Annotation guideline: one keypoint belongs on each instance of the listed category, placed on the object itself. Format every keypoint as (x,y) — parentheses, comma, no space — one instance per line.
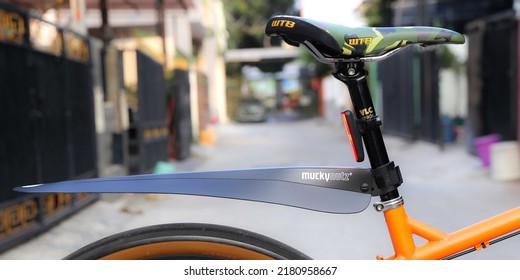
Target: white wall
(336,99)
(453,88)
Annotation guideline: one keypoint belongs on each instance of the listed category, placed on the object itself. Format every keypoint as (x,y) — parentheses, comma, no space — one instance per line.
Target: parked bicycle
(326,189)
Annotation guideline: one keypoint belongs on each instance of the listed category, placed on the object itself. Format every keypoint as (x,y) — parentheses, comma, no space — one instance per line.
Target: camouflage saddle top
(333,42)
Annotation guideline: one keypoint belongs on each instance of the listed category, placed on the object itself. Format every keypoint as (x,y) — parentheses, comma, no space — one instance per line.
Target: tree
(378,12)
(245,21)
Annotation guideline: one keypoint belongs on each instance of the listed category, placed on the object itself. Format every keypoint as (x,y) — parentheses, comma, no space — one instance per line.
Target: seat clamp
(387,177)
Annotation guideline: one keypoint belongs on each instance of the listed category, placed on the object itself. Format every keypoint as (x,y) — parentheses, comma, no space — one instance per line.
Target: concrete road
(446,189)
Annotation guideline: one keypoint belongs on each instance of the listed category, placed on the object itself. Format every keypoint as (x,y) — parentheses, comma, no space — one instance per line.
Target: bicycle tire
(187,241)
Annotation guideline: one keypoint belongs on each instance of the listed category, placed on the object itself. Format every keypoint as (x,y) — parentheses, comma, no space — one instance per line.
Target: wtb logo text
(360,41)
(283,23)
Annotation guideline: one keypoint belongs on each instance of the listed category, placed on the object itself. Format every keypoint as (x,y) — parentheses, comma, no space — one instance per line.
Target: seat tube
(400,232)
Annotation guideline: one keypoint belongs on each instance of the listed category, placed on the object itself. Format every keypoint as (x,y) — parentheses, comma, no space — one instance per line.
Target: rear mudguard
(325,189)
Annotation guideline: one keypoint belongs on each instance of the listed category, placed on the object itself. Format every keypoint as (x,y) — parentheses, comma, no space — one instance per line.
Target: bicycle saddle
(331,43)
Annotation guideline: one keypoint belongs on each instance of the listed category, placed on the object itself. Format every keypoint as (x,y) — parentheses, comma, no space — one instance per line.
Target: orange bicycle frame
(388,178)
(439,244)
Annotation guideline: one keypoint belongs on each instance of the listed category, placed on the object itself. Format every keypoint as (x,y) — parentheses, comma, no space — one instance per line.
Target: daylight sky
(336,11)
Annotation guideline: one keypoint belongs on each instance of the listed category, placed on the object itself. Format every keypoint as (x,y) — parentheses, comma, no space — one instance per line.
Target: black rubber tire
(187,241)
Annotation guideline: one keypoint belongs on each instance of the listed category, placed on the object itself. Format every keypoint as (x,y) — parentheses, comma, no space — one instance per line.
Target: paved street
(447,189)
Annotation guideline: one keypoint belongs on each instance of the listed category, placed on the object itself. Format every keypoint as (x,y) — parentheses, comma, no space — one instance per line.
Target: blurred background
(97,88)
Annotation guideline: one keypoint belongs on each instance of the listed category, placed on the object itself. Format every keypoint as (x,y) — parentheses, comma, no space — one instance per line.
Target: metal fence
(148,133)
(492,76)
(180,123)
(410,95)
(47,130)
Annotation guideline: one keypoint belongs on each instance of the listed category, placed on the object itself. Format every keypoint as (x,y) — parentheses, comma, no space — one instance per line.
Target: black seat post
(354,76)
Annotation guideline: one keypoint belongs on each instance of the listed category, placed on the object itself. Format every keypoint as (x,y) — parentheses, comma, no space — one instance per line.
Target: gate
(148,133)
(47,130)
(492,76)
(398,93)
(410,94)
(180,114)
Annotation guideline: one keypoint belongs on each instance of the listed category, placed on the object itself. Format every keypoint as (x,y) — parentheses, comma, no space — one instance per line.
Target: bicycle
(340,190)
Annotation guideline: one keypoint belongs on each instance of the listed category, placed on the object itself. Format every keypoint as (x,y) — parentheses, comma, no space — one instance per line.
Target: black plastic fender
(326,189)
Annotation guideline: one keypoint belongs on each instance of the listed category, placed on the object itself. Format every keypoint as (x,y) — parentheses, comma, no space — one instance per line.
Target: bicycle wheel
(187,241)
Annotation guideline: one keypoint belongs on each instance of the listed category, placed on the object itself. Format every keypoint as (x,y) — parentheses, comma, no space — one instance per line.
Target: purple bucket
(483,146)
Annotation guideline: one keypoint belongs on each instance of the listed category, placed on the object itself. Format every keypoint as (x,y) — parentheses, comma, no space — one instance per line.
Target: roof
(112,4)
(258,54)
